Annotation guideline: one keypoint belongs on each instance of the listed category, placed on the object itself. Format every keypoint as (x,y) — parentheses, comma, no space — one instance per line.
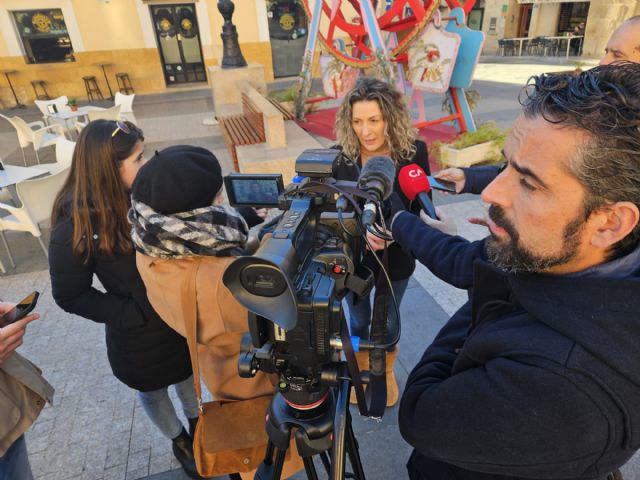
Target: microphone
(415,185)
(376,178)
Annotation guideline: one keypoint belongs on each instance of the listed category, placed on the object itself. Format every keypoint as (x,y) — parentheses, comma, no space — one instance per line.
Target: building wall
(544,20)
(108,26)
(4,51)
(121,34)
(503,13)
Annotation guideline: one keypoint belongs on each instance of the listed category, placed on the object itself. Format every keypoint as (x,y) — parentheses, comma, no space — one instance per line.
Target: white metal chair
(126,106)
(64,156)
(61,106)
(112,113)
(64,152)
(36,197)
(35,133)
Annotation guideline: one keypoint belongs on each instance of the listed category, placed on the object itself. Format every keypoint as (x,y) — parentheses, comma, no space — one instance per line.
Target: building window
(474,19)
(571,15)
(44,35)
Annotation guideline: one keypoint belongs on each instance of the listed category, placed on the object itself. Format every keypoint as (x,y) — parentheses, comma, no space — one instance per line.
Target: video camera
(294,284)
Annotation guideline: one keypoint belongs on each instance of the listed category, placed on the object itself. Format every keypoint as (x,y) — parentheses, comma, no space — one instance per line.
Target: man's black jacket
(538,377)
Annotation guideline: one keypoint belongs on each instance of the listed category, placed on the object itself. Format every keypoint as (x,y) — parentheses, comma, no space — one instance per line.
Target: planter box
(451,157)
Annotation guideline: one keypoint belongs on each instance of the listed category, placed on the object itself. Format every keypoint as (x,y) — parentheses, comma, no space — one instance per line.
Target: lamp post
(231,54)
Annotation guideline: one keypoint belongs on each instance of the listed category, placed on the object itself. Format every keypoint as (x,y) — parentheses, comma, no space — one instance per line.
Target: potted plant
(482,146)
(72,104)
(287,98)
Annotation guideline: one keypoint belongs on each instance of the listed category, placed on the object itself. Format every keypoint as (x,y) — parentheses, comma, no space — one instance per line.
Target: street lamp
(231,54)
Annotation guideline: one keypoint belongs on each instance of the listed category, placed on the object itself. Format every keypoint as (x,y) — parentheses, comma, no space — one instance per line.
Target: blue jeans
(14,463)
(161,411)
(360,314)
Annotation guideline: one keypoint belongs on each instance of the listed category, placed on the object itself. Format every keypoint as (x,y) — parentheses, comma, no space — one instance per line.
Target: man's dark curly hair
(604,103)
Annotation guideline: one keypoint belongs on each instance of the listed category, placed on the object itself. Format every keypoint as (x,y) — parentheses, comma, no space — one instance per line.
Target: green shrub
(290,94)
(486,132)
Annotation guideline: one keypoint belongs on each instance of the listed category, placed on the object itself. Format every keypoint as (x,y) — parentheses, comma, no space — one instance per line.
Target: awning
(551,1)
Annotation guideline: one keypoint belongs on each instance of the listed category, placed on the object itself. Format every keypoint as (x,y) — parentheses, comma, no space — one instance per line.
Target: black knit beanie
(178,179)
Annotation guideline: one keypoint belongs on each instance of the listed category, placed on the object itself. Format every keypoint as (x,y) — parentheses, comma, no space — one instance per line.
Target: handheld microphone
(377,178)
(415,185)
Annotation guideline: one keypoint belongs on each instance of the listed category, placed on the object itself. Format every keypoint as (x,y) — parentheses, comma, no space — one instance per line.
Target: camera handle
(325,428)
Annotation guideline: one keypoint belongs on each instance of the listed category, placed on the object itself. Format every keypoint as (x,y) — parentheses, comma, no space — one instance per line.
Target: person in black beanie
(185,238)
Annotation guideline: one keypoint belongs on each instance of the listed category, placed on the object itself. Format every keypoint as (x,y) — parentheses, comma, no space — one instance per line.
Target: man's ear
(613,223)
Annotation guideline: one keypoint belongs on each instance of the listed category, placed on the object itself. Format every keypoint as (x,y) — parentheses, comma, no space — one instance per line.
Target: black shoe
(192,426)
(183,450)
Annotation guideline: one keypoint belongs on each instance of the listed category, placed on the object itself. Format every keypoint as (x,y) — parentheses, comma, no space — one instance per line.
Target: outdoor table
(104,72)
(6,74)
(13,174)
(72,115)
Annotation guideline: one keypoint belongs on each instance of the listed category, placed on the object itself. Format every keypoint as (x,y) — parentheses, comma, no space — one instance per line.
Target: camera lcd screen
(253,190)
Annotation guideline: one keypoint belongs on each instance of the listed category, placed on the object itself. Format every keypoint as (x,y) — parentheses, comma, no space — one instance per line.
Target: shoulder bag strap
(190,315)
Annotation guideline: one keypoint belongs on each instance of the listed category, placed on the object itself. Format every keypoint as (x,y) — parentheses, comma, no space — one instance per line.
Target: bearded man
(538,375)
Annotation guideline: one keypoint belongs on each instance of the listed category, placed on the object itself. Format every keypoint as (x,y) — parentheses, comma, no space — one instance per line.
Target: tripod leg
(310,468)
(325,461)
(352,450)
(271,469)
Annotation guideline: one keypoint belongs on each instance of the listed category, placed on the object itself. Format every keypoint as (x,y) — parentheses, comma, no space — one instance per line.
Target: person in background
(186,237)
(91,236)
(23,393)
(576,45)
(624,43)
(373,120)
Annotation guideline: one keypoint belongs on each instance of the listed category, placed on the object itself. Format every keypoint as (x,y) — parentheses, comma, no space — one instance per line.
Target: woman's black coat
(401,265)
(143,351)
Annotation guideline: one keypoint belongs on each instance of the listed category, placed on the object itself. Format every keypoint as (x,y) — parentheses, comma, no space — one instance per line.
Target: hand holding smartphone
(21,310)
(442,185)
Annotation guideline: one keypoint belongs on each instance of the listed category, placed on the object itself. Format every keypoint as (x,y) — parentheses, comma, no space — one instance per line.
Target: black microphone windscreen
(382,170)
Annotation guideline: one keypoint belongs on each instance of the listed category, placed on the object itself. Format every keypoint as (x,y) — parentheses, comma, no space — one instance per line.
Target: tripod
(322,429)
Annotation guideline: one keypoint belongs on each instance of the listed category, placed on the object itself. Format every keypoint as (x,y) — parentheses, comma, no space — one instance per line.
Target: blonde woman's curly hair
(398,130)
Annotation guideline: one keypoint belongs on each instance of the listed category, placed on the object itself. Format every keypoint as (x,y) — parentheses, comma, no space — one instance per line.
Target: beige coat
(23,393)
(221,319)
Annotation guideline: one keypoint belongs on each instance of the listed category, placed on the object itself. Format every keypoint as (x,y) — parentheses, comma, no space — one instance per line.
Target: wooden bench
(286,114)
(245,129)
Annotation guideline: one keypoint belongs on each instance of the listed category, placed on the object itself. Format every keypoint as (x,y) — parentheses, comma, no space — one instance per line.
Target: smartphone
(443,185)
(21,310)
(51,108)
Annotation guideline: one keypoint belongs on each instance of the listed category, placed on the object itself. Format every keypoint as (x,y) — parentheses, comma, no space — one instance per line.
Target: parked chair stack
(549,46)
(507,47)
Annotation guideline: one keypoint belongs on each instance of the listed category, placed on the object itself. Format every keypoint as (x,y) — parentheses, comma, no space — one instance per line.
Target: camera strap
(372,401)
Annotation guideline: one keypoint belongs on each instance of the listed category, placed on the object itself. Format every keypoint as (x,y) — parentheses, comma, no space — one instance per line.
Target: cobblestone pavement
(96,429)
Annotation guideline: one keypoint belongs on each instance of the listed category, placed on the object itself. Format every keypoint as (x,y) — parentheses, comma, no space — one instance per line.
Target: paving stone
(116,472)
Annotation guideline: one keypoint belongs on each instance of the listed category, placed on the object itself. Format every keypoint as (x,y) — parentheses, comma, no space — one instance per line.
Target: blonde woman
(373,120)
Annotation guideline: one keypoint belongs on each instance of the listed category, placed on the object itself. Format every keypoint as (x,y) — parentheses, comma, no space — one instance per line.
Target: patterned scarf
(217,230)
